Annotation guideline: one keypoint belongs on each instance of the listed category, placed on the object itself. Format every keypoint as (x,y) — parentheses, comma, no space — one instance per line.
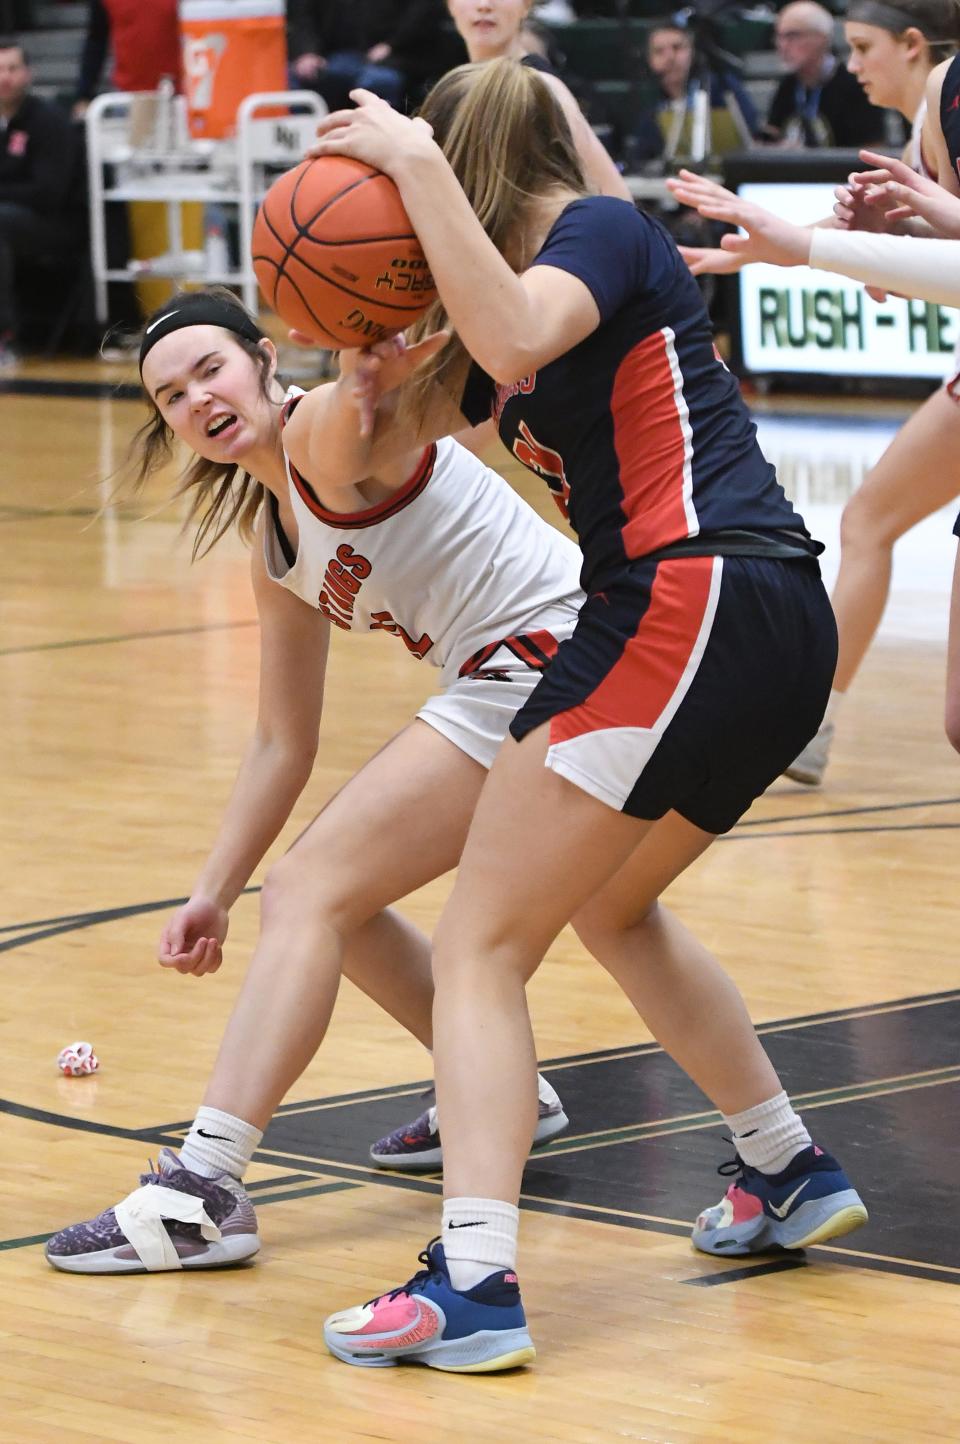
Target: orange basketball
(336,256)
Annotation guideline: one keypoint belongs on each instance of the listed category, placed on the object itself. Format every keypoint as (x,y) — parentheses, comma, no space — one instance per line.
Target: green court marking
(851,1093)
(126,637)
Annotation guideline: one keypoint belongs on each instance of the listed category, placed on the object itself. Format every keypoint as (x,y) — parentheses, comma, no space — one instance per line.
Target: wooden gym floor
(128,687)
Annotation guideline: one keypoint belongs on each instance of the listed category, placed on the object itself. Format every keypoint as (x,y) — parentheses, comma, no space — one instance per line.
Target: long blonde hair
(221,494)
(507,141)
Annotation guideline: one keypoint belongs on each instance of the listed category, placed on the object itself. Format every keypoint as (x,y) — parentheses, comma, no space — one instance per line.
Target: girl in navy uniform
(700,664)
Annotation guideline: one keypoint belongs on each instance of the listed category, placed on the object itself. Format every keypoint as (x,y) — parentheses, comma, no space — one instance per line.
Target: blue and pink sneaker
(427,1321)
(810,1202)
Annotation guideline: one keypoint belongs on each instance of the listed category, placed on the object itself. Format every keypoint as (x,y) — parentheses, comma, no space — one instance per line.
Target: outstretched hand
(894,191)
(768,238)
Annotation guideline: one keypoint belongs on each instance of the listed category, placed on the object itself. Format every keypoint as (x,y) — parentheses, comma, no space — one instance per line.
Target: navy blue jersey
(640,430)
(950,113)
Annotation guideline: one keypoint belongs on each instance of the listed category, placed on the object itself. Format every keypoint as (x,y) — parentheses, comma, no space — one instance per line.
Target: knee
(602,928)
(485,950)
(292,892)
(864,524)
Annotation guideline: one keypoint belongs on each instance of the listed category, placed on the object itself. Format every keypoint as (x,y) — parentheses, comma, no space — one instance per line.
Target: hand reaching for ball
(374,371)
(373,132)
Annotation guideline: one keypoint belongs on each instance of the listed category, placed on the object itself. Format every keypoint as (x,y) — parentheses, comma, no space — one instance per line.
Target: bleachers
(54,44)
(609,55)
(606,52)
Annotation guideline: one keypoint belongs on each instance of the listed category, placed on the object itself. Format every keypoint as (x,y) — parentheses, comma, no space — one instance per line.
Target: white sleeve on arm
(928,270)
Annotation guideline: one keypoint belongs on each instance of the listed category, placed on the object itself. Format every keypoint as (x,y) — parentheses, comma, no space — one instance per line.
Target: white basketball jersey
(915,147)
(452,563)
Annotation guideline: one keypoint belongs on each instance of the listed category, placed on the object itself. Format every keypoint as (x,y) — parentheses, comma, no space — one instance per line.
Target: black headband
(197,309)
(889,17)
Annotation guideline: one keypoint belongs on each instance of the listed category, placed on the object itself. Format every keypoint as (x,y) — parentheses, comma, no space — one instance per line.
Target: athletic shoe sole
(486,1352)
(815,1222)
(220,1255)
(431,1159)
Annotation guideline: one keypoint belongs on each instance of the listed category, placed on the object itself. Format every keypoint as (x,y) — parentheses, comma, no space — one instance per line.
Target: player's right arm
(294,641)
(350,429)
(908,265)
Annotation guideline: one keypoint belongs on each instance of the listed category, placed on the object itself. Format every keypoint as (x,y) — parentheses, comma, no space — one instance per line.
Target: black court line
(262,1198)
(736,1276)
(97,390)
(850,811)
(840,831)
(80,921)
(9,512)
(127,637)
(561,1187)
(416,1089)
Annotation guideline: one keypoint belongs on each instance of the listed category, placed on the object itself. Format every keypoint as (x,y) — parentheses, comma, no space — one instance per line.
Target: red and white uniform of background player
(455,566)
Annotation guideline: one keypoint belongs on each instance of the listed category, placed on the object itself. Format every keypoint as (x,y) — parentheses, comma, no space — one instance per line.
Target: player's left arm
(510,324)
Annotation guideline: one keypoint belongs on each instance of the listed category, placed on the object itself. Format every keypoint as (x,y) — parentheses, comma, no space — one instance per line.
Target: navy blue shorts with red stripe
(689,685)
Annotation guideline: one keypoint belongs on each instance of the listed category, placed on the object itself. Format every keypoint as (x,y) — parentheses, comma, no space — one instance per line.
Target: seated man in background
(670,61)
(818,103)
(40,215)
(380,45)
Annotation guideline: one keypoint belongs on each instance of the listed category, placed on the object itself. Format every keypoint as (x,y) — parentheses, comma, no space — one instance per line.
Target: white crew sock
(833,706)
(219,1143)
(479,1238)
(769,1136)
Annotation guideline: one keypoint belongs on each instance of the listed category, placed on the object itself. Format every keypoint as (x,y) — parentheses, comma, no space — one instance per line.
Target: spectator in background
(40,210)
(386,46)
(818,102)
(494,28)
(144,36)
(670,50)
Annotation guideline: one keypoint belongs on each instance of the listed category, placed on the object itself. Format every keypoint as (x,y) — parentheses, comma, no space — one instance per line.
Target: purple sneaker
(416,1146)
(175,1219)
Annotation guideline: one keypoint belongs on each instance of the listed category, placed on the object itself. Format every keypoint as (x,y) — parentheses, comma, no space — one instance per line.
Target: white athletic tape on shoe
(141,1215)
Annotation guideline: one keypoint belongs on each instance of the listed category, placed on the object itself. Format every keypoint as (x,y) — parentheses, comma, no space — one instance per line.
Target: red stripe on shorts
(640,685)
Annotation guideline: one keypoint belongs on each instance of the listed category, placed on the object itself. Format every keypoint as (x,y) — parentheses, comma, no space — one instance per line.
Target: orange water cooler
(231,49)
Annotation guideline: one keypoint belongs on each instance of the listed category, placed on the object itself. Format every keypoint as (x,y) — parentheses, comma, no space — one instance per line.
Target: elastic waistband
(785,545)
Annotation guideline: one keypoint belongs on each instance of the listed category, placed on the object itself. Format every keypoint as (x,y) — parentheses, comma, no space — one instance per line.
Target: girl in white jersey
(894,47)
(438,552)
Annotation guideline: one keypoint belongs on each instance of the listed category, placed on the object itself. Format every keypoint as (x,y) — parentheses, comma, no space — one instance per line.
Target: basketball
(335,254)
